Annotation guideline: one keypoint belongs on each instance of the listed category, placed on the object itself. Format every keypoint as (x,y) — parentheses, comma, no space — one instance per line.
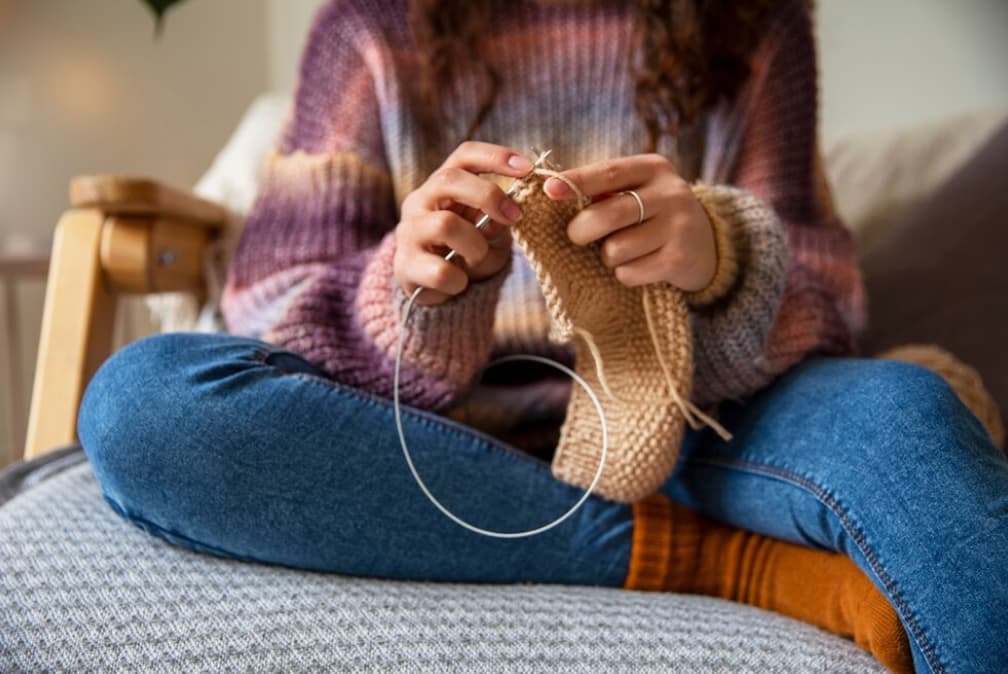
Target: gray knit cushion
(82,590)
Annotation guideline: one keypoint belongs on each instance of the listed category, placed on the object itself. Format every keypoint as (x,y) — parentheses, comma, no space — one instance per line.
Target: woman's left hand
(674,242)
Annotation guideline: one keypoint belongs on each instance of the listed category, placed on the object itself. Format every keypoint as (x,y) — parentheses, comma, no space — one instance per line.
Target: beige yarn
(963,379)
(633,345)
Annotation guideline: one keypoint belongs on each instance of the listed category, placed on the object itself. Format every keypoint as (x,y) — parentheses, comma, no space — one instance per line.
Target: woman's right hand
(440,215)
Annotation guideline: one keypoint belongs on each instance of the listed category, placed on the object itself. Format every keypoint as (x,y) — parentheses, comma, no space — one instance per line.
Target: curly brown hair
(692,53)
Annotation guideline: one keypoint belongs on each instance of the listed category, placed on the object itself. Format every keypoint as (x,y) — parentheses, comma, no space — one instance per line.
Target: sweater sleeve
(797,288)
(312,271)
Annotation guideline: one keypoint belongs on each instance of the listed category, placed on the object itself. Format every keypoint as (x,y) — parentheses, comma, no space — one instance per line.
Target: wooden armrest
(123,236)
(120,195)
(140,255)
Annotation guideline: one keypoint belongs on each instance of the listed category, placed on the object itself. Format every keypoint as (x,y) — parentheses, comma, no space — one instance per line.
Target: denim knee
(149,404)
(909,422)
(122,414)
(915,400)
(857,430)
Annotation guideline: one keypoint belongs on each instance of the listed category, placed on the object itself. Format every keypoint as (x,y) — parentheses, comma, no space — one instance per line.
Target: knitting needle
(484,220)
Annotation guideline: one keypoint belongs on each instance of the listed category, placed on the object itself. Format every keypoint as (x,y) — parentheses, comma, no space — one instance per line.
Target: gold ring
(640,204)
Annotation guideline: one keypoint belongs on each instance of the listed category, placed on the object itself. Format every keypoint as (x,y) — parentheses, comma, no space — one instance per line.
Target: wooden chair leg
(77,325)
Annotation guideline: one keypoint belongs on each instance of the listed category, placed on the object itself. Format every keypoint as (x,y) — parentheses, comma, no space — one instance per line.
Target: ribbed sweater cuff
(448,341)
(730,334)
(729,240)
(664,550)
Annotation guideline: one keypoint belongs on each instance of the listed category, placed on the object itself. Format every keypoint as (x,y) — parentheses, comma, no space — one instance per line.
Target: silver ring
(640,204)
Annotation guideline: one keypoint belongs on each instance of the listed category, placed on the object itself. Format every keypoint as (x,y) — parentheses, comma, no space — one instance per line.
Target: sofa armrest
(123,236)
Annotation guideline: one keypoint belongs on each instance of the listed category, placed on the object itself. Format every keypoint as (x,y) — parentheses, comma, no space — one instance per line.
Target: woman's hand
(440,214)
(675,240)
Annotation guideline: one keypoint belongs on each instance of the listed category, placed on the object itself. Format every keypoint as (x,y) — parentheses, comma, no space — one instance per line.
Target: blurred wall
(89,88)
(86,87)
(288,28)
(889,63)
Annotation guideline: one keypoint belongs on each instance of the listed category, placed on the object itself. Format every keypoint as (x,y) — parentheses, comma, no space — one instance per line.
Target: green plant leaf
(159,7)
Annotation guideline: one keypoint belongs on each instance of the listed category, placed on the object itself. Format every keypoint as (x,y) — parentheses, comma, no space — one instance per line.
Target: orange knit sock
(675,550)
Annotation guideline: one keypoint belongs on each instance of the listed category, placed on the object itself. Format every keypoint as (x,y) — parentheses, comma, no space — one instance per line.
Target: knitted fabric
(616,352)
(963,379)
(729,244)
(313,271)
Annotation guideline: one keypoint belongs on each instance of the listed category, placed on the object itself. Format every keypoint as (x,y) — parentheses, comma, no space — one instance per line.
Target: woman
(283,450)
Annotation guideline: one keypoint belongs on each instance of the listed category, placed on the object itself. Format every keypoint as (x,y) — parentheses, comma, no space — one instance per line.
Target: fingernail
(510,209)
(519,162)
(557,189)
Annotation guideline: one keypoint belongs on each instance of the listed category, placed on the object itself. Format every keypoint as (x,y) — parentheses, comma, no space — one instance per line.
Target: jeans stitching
(163,534)
(852,530)
(440,424)
(429,420)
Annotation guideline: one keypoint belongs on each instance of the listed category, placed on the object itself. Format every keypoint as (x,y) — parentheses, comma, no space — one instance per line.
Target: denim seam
(195,545)
(418,416)
(854,531)
(373,400)
(377,402)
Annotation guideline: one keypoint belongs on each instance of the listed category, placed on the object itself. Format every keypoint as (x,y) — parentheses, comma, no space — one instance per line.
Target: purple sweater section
(313,269)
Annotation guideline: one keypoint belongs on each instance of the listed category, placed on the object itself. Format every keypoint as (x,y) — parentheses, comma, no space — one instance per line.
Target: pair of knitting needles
(541,158)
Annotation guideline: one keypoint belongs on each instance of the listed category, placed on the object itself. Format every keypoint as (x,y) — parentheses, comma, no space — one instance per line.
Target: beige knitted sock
(636,363)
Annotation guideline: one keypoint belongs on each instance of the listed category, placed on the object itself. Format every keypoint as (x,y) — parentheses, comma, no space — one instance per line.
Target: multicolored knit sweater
(313,269)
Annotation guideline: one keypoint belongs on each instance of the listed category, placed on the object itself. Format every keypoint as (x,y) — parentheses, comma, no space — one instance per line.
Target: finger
(491,230)
(494,231)
(479,157)
(632,242)
(444,228)
(435,273)
(613,213)
(500,251)
(501,239)
(448,185)
(642,271)
(609,175)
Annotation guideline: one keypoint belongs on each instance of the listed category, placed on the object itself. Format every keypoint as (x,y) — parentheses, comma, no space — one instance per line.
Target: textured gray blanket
(81,590)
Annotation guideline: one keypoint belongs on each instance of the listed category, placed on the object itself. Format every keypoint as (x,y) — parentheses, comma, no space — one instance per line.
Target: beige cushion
(937,275)
(877,177)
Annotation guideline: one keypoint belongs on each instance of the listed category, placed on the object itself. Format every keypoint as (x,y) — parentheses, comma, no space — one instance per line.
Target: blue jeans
(235,447)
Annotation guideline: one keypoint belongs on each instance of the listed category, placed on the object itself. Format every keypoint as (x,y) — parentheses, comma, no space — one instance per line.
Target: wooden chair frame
(122,236)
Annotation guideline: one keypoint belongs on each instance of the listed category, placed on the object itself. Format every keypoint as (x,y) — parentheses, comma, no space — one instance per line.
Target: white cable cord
(423,486)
